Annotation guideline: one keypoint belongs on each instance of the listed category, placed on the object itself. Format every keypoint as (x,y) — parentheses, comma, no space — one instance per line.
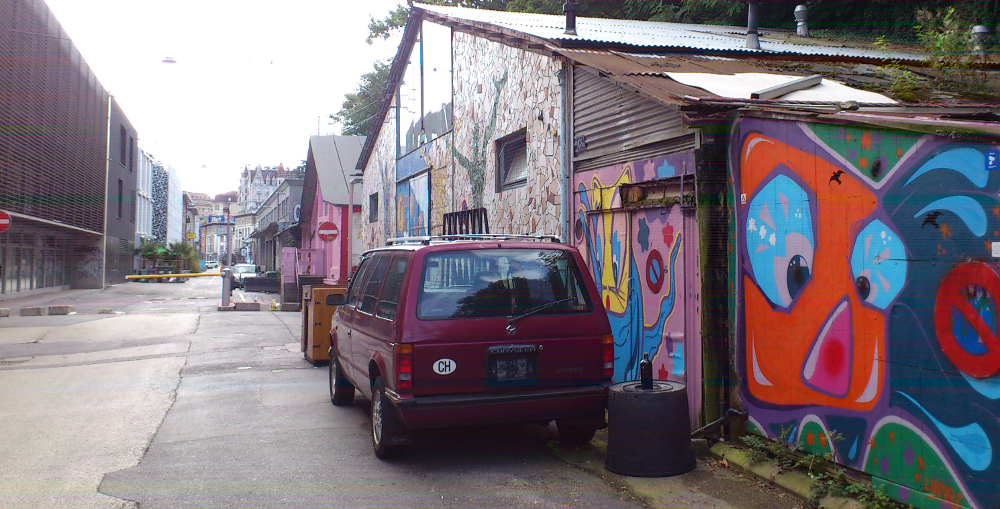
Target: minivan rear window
(481,283)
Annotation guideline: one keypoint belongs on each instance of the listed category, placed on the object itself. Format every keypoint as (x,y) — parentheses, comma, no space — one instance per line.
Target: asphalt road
(149,397)
(173,404)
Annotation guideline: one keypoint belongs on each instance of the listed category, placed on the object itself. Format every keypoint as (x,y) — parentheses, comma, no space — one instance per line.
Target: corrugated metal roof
(650,34)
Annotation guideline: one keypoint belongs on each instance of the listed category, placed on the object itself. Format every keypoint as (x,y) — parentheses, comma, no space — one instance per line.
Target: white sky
(251,80)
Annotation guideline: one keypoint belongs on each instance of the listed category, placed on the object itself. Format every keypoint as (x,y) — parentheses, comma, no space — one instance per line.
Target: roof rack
(427,239)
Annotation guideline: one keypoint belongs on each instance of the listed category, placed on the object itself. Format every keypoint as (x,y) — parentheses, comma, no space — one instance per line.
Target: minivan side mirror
(335,299)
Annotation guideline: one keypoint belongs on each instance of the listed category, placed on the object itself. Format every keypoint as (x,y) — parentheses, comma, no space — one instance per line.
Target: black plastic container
(649,430)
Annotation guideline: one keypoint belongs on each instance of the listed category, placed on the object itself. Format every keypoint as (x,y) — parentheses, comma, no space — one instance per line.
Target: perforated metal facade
(53,121)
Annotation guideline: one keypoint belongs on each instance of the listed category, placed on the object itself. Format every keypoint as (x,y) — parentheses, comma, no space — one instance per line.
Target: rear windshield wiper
(539,308)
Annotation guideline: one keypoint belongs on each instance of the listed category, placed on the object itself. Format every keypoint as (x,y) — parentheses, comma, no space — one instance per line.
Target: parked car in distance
(242,270)
(211,265)
(482,330)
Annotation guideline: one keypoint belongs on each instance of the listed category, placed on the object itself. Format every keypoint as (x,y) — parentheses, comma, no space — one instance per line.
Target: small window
(122,137)
(373,208)
(512,160)
(373,284)
(131,154)
(121,189)
(393,284)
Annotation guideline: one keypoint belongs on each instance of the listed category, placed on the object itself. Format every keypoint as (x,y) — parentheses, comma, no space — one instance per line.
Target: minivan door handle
(348,333)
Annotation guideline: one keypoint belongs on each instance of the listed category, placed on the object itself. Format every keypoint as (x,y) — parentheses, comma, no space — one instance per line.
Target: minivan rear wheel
(385,427)
(341,390)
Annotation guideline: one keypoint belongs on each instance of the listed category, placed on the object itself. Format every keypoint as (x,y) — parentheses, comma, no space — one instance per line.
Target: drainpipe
(753,42)
(347,235)
(107,202)
(565,135)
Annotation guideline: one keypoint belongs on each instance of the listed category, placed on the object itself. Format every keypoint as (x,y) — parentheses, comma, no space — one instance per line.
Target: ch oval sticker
(445,366)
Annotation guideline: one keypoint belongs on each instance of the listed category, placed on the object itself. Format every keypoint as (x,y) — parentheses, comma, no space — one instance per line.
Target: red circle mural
(654,271)
(952,297)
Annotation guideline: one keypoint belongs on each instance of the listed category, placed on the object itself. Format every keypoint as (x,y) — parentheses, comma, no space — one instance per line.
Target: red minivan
(472,330)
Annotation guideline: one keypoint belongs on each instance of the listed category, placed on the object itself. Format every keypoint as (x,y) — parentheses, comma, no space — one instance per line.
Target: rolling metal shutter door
(612,124)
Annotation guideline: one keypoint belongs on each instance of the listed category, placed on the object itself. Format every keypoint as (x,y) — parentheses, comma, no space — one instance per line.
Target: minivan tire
(341,390)
(571,431)
(385,427)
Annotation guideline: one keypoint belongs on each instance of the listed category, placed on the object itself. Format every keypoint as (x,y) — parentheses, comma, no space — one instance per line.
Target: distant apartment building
(258,183)
(277,223)
(161,195)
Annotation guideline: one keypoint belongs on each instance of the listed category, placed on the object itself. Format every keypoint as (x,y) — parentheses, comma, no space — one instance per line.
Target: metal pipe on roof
(753,16)
(801,16)
(570,9)
(787,88)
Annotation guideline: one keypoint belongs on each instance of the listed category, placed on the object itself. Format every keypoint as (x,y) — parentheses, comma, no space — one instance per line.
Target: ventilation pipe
(753,42)
(979,34)
(801,16)
(569,9)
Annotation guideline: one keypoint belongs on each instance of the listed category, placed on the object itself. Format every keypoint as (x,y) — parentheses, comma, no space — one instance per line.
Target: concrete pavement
(170,403)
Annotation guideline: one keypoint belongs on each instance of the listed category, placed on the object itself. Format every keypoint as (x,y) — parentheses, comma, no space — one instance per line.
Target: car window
(246,269)
(373,283)
(500,282)
(356,281)
(390,290)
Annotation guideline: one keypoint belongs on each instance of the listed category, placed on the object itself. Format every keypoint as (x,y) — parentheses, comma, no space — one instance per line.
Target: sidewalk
(710,485)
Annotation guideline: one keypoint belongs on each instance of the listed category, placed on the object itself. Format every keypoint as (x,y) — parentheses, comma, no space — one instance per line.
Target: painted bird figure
(931,219)
(836,177)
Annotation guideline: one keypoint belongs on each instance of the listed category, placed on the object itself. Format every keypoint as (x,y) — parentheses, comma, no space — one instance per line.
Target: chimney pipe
(753,42)
(801,16)
(569,9)
(979,35)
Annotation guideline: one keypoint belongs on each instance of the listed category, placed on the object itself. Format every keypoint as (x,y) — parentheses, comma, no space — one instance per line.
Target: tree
(359,108)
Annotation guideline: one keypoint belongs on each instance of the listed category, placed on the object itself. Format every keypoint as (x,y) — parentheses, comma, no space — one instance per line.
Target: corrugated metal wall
(613,125)
(53,121)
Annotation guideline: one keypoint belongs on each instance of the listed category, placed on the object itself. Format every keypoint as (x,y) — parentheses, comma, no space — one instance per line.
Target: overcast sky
(253,78)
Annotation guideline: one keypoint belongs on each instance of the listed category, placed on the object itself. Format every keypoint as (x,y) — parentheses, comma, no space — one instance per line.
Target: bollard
(226,290)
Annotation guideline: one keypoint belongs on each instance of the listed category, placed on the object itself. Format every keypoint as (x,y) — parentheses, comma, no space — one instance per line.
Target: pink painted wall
(332,259)
(645,263)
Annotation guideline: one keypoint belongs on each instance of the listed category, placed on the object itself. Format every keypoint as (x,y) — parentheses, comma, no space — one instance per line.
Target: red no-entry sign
(4,221)
(328,232)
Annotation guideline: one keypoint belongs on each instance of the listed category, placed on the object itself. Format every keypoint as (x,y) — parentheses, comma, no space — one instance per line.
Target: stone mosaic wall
(498,91)
(380,177)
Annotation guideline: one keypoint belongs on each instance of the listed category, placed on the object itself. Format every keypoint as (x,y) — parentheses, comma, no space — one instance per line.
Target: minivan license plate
(512,366)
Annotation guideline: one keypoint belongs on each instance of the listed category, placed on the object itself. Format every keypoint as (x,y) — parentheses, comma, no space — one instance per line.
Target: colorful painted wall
(869,285)
(645,263)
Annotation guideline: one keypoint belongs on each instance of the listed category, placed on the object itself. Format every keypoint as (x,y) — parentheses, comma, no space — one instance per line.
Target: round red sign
(4,221)
(328,232)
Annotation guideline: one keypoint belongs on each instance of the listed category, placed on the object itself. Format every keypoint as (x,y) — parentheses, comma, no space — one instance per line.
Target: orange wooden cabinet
(316,317)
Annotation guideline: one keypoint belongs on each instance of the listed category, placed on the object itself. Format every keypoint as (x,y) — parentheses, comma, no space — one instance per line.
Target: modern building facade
(144,197)
(161,201)
(122,203)
(53,157)
(175,207)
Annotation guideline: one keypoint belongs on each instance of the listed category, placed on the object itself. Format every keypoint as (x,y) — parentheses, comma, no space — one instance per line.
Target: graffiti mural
(868,325)
(638,260)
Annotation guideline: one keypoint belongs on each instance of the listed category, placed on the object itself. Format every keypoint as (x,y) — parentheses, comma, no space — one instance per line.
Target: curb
(792,481)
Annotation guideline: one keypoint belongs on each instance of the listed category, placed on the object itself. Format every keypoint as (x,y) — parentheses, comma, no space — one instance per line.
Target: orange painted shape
(781,340)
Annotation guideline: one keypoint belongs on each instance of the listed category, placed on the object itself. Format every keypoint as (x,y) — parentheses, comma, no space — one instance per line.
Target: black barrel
(649,430)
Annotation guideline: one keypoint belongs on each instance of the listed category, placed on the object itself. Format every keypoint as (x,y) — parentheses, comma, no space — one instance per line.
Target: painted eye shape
(864,286)
(878,263)
(797,275)
(779,240)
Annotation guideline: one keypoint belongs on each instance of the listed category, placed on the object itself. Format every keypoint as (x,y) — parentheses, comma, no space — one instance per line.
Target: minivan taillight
(608,356)
(404,367)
